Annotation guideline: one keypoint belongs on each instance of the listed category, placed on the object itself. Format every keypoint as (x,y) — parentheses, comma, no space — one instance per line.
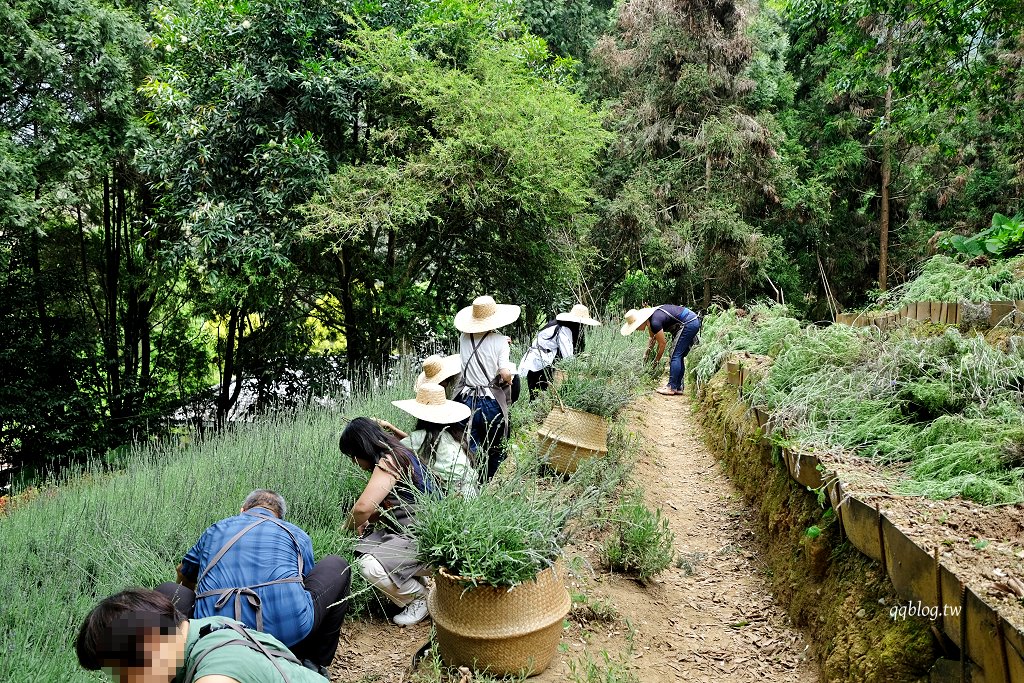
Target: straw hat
(431,405)
(485,315)
(437,369)
(578,314)
(635,318)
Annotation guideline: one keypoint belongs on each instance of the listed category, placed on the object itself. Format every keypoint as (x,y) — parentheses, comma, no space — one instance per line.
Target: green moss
(823,582)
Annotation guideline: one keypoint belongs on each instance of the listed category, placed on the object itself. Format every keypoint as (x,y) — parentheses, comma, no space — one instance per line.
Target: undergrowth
(946,407)
(641,543)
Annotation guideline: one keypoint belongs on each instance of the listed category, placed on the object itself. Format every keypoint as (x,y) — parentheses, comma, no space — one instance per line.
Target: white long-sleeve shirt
(546,346)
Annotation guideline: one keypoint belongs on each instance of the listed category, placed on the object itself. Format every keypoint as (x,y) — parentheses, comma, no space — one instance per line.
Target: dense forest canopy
(198,194)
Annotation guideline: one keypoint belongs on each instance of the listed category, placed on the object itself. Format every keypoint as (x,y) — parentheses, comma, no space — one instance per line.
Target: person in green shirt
(138,636)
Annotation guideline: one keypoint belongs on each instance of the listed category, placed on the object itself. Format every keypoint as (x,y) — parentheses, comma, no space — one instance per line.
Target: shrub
(641,543)
(505,536)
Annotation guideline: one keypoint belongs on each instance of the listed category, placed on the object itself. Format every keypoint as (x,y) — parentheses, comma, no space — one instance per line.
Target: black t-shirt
(669,317)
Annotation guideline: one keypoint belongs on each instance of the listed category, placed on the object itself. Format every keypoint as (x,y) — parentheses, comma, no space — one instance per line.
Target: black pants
(328,582)
(538,380)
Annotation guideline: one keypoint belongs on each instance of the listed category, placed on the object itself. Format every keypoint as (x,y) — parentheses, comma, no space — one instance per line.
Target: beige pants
(374,573)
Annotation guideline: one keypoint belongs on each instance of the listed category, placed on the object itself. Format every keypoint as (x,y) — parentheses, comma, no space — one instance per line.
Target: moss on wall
(832,591)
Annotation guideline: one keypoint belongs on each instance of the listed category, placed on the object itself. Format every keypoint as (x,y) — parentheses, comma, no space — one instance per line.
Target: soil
(982,545)
(708,618)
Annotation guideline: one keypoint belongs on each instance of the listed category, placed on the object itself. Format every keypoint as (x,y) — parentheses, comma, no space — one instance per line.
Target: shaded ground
(709,618)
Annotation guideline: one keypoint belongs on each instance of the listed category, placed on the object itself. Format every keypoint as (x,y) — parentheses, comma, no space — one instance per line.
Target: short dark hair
(114,633)
(265,498)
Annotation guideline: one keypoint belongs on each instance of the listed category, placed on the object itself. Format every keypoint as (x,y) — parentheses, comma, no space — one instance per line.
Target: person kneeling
(138,635)
(384,514)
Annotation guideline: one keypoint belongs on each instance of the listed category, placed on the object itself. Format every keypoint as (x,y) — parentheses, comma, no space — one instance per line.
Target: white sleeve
(504,362)
(565,342)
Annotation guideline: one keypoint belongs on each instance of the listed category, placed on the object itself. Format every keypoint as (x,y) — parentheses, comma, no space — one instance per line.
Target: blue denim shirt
(265,553)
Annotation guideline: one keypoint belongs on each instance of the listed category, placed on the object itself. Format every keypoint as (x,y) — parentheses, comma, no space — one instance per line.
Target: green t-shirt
(237,661)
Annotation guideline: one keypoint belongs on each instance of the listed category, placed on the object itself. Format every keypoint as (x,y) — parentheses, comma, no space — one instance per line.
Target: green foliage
(503,537)
(1005,237)
(602,669)
(603,379)
(698,164)
(944,279)
(948,406)
(105,531)
(641,543)
(569,27)
(474,174)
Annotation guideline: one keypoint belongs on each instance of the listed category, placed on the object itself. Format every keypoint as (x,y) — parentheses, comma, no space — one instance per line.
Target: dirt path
(708,619)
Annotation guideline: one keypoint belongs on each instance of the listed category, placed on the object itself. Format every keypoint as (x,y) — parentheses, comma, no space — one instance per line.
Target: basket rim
(590,431)
(479,583)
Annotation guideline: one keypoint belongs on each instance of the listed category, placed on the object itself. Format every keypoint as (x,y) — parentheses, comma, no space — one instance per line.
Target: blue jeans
(681,345)
(486,430)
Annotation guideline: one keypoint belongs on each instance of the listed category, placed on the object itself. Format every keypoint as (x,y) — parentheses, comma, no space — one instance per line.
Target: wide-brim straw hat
(578,314)
(635,318)
(431,405)
(437,369)
(485,315)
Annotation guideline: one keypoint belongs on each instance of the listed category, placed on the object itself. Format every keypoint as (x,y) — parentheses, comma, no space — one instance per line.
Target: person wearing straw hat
(384,515)
(487,373)
(439,438)
(679,321)
(443,370)
(559,338)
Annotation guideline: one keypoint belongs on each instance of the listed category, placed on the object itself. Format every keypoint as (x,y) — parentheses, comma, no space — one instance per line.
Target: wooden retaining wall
(992,649)
(1000,312)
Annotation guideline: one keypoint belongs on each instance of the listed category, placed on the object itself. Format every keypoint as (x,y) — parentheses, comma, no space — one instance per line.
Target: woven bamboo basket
(569,436)
(496,629)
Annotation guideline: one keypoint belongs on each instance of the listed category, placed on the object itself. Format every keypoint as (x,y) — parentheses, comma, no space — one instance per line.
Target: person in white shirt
(560,338)
(487,374)
(439,438)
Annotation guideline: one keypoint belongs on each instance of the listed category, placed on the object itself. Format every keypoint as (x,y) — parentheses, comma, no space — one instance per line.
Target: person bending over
(560,338)
(682,323)
(258,569)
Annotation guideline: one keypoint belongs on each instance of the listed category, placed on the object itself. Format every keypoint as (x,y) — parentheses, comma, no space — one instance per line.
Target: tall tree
(249,114)
(696,167)
(474,170)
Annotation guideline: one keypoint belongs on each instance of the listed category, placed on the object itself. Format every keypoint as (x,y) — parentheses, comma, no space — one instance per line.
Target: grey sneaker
(415,612)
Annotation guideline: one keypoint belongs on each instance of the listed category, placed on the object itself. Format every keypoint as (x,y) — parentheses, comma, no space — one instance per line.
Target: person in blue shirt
(679,321)
(258,569)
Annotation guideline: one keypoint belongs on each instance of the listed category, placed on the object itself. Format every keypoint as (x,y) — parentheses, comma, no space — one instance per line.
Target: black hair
(578,343)
(115,631)
(428,450)
(364,439)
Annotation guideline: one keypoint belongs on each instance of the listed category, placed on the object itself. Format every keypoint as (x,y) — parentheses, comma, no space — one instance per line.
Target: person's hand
(362,528)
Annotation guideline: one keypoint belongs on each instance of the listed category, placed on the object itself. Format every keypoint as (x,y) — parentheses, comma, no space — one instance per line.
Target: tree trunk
(224,398)
(883,242)
(38,291)
(111,291)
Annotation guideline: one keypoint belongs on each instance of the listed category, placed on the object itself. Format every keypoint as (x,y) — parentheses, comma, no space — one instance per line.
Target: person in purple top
(679,321)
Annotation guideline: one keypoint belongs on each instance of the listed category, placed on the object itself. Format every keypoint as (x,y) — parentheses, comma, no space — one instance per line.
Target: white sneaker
(415,612)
